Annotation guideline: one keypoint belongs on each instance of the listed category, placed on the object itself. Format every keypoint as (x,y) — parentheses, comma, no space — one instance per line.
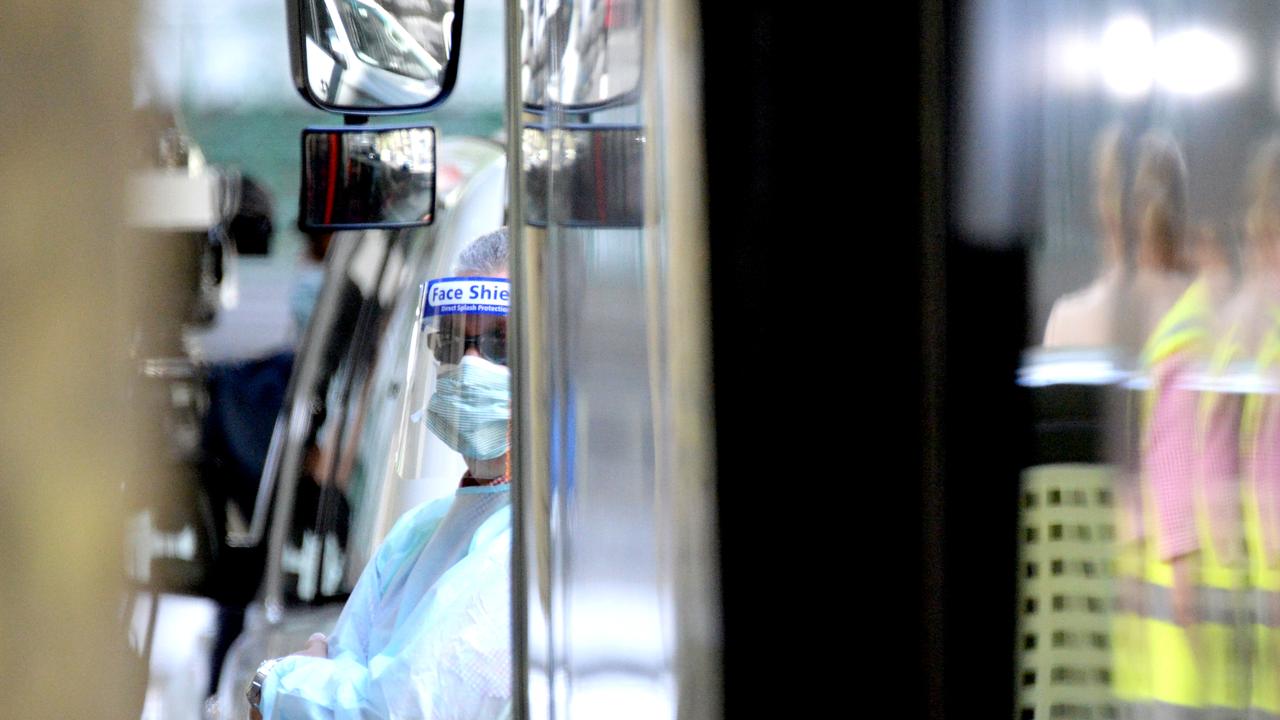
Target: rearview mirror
(375,56)
(580,56)
(600,166)
(356,177)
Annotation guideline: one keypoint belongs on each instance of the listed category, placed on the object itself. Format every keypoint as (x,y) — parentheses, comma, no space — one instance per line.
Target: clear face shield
(435,412)
(460,390)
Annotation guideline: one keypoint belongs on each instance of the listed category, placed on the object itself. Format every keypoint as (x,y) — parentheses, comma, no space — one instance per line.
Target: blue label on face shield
(471,295)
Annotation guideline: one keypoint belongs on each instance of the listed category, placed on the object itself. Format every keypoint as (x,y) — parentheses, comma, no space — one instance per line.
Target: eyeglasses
(451,341)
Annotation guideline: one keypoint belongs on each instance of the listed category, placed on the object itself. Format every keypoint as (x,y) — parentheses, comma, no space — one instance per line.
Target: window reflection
(1149,568)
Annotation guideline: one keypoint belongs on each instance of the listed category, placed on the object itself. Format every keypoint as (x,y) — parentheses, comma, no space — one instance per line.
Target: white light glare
(1070,372)
(1127,56)
(1197,62)
(1074,61)
(1130,62)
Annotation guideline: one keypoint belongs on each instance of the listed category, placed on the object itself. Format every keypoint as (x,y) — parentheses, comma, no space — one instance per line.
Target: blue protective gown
(426,632)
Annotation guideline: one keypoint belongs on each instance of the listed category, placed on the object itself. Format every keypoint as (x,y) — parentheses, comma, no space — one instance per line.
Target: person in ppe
(1221,632)
(1254,320)
(1158,660)
(426,631)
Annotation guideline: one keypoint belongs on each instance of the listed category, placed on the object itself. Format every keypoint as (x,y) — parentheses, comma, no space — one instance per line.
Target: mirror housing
(375,58)
(367,177)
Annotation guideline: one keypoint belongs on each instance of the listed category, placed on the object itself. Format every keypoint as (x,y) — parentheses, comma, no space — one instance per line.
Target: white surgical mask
(471,408)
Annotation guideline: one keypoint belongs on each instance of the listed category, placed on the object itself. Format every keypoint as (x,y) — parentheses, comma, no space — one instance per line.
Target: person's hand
(1185,608)
(317,646)
(1226,542)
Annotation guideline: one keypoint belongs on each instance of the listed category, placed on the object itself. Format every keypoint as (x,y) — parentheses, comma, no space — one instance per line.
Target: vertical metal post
(684,433)
(522,443)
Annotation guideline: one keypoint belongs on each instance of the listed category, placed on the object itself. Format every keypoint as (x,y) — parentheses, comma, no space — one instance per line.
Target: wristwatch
(254,694)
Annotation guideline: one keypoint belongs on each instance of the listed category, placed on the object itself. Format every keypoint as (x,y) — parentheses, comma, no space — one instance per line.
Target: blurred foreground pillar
(66,428)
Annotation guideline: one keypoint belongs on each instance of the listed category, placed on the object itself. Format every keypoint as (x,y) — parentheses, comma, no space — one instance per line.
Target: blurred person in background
(1159,216)
(1218,631)
(1246,315)
(1157,654)
(426,632)
(252,225)
(1218,413)
(1084,318)
(1215,269)
(244,399)
(307,280)
(1254,335)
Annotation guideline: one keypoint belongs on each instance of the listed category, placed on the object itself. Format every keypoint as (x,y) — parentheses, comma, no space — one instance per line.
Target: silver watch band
(254,694)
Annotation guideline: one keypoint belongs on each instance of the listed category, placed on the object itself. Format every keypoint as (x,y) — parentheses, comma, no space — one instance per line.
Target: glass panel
(596,481)
(1131,150)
